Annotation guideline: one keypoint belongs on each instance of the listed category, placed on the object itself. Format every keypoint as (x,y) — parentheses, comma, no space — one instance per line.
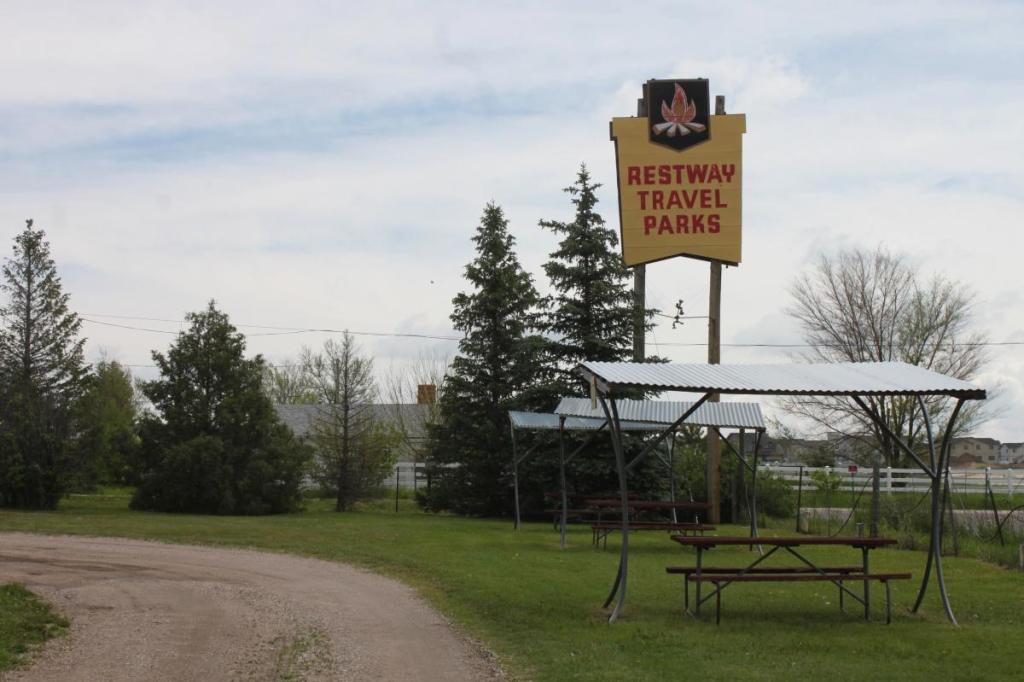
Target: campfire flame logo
(679,117)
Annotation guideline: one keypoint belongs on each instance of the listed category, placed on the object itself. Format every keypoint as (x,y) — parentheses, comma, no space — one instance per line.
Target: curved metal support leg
(935,539)
(943,464)
(927,575)
(615,586)
(611,413)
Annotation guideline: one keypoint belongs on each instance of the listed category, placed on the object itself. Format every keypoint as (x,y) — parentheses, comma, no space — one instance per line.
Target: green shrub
(775,497)
(219,447)
(827,482)
(207,476)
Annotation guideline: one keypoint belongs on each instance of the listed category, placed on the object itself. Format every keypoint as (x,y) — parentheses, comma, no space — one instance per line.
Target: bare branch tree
(861,306)
(288,384)
(401,388)
(353,450)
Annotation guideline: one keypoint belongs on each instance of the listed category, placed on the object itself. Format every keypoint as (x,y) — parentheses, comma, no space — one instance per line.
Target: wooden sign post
(679,178)
(713,463)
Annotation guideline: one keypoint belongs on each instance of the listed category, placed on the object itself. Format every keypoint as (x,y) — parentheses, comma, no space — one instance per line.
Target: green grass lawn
(25,620)
(539,609)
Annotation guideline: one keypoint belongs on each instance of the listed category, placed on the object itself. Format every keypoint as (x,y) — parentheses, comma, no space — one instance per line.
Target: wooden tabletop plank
(711,541)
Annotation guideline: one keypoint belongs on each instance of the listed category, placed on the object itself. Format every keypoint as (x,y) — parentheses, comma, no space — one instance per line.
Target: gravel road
(150,611)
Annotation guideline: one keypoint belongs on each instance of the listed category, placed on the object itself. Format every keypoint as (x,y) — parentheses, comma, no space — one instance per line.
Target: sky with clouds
(324,164)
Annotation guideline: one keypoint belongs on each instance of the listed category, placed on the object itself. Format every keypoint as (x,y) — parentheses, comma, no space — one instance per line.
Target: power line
(287,331)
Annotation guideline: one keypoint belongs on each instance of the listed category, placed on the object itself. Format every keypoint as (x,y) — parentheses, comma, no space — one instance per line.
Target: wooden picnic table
(806,571)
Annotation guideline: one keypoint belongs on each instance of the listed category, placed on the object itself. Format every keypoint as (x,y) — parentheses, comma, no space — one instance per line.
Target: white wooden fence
(1003,481)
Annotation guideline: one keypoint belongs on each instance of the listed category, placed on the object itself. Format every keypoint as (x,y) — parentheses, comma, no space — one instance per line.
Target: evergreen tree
(219,447)
(498,368)
(591,314)
(41,374)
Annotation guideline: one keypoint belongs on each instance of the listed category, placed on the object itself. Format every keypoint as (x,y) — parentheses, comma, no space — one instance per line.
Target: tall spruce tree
(41,376)
(498,368)
(591,314)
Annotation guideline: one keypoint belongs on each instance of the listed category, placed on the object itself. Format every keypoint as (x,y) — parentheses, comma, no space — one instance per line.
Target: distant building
(966,450)
(836,449)
(1011,453)
(410,419)
(842,449)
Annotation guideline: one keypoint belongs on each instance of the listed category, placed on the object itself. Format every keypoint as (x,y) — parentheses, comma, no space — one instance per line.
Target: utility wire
(285,331)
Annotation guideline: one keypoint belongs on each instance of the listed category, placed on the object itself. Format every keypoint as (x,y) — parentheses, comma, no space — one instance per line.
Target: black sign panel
(678,112)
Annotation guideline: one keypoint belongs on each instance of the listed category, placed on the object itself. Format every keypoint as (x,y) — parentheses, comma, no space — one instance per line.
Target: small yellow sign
(680,203)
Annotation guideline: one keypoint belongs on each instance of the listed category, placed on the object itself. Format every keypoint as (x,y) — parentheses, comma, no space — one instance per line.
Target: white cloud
(317,164)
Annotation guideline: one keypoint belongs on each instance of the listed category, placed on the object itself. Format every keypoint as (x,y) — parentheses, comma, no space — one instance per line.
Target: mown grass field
(538,607)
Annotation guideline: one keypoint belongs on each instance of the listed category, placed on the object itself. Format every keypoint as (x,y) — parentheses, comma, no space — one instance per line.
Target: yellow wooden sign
(680,203)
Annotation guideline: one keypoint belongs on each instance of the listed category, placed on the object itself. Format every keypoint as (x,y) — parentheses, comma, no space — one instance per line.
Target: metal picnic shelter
(862,382)
(662,417)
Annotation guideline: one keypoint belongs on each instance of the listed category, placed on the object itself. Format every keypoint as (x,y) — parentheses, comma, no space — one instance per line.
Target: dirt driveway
(150,611)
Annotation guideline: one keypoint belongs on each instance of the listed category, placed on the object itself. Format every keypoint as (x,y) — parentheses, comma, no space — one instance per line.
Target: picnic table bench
(808,571)
(637,507)
(601,531)
(580,515)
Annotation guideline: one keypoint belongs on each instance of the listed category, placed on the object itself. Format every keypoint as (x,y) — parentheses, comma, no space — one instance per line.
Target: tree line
(205,435)
(520,350)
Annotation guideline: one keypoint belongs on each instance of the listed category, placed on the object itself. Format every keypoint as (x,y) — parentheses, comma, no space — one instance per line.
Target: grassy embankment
(25,620)
(539,609)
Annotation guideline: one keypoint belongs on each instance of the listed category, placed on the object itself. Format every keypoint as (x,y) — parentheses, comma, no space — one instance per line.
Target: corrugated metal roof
(544,421)
(665,412)
(838,379)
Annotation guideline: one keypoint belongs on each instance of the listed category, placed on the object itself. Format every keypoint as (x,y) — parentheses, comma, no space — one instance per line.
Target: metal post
(799,495)
(398,476)
(515,477)
(995,509)
(876,496)
(753,486)
(867,585)
(828,500)
(672,474)
(737,479)
(561,480)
